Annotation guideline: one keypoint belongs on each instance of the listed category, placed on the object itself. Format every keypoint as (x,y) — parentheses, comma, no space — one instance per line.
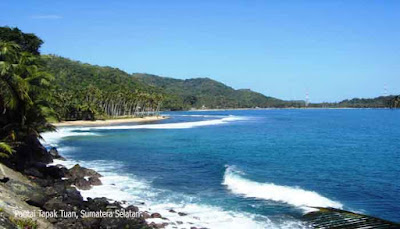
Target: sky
(332,50)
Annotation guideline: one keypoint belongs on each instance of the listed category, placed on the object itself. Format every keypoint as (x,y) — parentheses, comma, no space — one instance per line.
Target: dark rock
(31,151)
(4,179)
(33,172)
(63,168)
(54,153)
(91,222)
(172,211)
(38,165)
(57,188)
(122,223)
(82,183)
(182,214)
(94,181)
(72,196)
(80,172)
(156,215)
(56,203)
(43,182)
(34,195)
(132,208)
(146,215)
(56,172)
(67,223)
(158,225)
(97,203)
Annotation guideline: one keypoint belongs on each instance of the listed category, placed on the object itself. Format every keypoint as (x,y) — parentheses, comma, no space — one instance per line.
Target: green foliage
(5,150)
(27,41)
(395,102)
(24,223)
(88,92)
(378,102)
(207,93)
(24,90)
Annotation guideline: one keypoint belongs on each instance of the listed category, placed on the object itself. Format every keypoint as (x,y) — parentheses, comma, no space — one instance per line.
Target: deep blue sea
(246,169)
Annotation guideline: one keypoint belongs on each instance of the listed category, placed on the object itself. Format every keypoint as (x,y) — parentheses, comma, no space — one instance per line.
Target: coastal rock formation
(94,181)
(54,153)
(83,178)
(31,152)
(80,172)
(50,188)
(156,215)
(19,193)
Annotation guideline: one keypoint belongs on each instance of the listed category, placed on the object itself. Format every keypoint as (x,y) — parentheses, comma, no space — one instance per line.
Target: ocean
(245,168)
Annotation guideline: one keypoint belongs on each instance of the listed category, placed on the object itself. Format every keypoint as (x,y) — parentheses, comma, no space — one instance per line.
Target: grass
(24,223)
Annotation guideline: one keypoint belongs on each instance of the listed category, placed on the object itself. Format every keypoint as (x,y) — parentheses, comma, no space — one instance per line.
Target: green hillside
(390,101)
(75,77)
(208,93)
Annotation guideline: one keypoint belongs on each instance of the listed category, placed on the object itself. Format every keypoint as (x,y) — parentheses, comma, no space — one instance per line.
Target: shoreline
(108,122)
(288,108)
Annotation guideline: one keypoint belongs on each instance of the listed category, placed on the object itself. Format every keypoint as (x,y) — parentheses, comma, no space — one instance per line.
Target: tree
(28,42)
(395,102)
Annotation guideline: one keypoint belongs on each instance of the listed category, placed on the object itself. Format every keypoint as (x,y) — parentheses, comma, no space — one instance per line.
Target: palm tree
(5,149)
(23,91)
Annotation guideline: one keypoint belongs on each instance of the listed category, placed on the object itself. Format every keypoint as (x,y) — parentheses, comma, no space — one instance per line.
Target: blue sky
(332,49)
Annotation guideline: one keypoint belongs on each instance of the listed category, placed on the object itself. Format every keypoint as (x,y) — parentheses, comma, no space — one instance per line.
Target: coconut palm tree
(23,90)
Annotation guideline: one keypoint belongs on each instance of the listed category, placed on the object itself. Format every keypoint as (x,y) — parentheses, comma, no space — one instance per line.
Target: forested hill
(76,77)
(208,93)
(390,101)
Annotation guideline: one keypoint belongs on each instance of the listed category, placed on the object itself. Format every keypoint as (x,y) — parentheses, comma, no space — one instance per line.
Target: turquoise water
(247,169)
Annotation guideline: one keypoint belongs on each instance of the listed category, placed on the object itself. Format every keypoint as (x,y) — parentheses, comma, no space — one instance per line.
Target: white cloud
(46,16)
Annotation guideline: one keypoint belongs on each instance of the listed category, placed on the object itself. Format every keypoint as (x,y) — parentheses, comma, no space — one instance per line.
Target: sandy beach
(109,121)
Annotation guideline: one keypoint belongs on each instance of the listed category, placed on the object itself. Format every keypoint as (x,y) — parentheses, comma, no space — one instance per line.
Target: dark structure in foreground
(335,218)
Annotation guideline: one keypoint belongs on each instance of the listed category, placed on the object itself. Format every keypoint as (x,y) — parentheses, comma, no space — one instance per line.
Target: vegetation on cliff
(207,93)
(24,87)
(390,101)
(89,92)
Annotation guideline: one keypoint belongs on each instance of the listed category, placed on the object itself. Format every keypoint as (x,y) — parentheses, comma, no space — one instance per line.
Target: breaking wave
(179,125)
(237,184)
(129,189)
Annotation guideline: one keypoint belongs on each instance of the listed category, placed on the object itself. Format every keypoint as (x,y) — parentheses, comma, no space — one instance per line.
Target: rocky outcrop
(55,155)
(5,222)
(30,152)
(83,178)
(79,172)
(49,193)
(40,187)
(19,194)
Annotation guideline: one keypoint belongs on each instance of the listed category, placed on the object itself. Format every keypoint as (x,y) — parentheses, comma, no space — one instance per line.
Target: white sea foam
(179,125)
(52,138)
(236,183)
(126,187)
(204,116)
